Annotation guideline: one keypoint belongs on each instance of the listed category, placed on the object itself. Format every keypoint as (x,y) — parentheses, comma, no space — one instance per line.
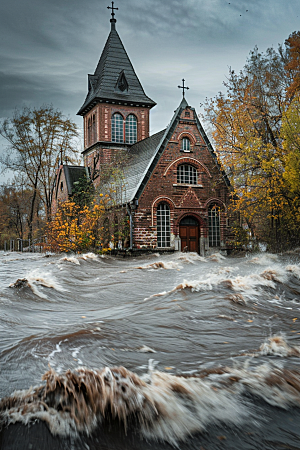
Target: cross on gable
(183,87)
(112,8)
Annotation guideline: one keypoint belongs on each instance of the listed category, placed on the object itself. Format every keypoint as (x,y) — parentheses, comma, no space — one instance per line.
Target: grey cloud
(49,47)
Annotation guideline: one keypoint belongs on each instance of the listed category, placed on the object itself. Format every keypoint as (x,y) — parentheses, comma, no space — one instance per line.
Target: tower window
(163,225)
(214,225)
(117,128)
(185,145)
(131,129)
(94,131)
(89,137)
(187,174)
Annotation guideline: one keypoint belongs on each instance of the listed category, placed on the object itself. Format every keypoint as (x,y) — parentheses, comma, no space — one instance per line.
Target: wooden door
(189,235)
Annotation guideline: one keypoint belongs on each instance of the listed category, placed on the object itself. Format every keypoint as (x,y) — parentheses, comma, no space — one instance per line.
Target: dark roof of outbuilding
(113,69)
(73,174)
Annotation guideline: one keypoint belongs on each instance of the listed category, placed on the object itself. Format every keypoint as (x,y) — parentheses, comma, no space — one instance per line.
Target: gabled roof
(144,155)
(114,79)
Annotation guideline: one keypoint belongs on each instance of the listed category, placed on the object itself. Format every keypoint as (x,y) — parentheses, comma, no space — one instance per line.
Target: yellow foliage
(74,228)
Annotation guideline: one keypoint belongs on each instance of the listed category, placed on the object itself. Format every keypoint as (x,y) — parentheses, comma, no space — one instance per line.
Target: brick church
(174,193)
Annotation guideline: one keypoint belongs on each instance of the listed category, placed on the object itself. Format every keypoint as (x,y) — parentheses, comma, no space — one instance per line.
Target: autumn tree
(247,131)
(75,228)
(293,63)
(15,199)
(37,138)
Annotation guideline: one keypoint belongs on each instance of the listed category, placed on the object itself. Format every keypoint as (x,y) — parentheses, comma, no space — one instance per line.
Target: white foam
(218,257)
(87,256)
(190,257)
(277,345)
(294,269)
(39,278)
(264,259)
(71,259)
(146,349)
(161,265)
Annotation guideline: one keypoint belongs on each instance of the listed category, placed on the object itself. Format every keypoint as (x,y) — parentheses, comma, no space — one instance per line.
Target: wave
(37,278)
(190,257)
(76,259)
(161,265)
(264,259)
(246,285)
(276,345)
(158,405)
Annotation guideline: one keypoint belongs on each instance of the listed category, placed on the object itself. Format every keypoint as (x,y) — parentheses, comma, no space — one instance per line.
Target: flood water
(155,352)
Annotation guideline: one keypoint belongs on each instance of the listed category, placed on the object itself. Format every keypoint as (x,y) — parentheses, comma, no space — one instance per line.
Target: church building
(174,193)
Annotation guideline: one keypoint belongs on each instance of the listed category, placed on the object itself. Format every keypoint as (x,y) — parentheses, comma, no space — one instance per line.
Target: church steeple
(114,80)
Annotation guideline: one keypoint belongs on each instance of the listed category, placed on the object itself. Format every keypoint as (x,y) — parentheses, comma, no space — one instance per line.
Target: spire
(112,20)
(114,80)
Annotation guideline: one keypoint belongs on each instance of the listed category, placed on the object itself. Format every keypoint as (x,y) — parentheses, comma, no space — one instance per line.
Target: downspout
(131,226)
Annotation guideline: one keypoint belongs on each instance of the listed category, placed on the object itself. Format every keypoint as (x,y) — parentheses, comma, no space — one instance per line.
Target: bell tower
(116,109)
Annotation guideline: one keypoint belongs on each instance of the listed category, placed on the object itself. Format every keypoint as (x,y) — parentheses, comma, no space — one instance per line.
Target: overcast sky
(48,47)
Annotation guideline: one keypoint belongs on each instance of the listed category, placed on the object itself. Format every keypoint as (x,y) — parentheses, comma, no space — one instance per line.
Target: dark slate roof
(73,174)
(144,155)
(103,85)
(140,155)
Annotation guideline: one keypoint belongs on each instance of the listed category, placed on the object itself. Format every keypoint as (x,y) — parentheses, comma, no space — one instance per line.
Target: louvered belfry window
(214,225)
(163,225)
(117,128)
(186,174)
(131,129)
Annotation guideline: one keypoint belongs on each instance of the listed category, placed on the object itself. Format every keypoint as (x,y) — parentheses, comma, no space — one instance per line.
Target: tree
(293,63)
(74,228)
(247,123)
(37,139)
(15,199)
(83,192)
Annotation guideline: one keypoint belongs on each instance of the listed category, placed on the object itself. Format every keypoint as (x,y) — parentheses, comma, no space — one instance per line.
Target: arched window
(214,225)
(186,145)
(117,129)
(163,225)
(131,129)
(94,131)
(89,139)
(187,174)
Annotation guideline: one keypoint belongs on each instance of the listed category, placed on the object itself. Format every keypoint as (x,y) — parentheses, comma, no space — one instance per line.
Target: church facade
(174,194)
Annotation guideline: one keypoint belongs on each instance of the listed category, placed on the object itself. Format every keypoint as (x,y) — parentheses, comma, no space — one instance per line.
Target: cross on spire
(183,87)
(112,10)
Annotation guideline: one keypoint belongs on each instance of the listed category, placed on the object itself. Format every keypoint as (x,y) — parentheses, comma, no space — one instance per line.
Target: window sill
(186,151)
(188,185)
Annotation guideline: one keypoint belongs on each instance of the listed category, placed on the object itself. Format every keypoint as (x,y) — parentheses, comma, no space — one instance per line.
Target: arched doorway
(189,234)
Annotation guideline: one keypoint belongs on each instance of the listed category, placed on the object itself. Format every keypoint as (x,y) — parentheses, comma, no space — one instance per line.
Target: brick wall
(103,113)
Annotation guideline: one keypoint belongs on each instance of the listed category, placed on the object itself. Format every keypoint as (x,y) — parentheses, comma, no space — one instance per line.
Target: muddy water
(156,352)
